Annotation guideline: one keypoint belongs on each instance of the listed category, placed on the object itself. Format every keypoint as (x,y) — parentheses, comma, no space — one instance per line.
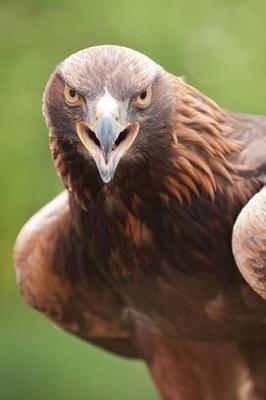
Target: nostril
(122,136)
(92,136)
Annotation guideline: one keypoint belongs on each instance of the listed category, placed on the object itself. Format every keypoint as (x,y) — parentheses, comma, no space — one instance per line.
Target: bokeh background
(218,45)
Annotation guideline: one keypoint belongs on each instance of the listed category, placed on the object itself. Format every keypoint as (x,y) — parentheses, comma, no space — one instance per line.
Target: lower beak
(107,143)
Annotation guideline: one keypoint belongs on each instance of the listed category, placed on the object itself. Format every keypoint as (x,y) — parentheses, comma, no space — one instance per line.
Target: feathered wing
(249,233)
(249,242)
(46,248)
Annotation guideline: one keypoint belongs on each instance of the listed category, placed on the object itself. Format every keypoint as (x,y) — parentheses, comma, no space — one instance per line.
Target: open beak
(107,142)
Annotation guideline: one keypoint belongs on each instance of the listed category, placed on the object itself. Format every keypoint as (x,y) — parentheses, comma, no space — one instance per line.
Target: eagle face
(107,104)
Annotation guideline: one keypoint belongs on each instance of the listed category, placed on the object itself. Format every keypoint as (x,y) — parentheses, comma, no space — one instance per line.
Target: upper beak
(107,140)
(107,132)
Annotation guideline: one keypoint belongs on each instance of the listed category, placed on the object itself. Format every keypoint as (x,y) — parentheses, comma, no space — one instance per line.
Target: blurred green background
(219,45)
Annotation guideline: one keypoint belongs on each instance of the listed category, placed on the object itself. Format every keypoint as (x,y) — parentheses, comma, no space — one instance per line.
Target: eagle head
(117,119)
(107,109)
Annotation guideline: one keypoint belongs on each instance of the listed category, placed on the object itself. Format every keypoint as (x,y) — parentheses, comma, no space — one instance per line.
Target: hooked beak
(107,142)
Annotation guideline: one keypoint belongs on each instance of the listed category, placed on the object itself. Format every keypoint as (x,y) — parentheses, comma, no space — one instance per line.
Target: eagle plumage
(157,248)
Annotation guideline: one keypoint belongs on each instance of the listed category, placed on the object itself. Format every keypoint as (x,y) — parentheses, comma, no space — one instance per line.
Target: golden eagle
(157,249)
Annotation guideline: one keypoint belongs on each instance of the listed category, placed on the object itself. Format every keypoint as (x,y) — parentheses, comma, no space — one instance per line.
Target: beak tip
(106,179)
(106,175)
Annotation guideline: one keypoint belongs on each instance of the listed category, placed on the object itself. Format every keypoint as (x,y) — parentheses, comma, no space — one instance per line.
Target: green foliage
(219,45)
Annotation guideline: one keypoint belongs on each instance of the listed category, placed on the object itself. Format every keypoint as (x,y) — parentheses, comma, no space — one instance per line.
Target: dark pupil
(143,95)
(72,93)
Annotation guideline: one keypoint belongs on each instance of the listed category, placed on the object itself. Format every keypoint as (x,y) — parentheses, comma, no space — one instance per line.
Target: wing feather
(88,308)
(249,242)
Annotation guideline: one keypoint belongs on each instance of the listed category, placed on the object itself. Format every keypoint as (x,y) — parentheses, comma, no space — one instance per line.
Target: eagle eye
(143,99)
(143,95)
(72,98)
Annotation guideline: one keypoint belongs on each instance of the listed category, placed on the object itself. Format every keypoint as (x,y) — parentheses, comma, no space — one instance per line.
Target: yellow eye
(72,97)
(143,99)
